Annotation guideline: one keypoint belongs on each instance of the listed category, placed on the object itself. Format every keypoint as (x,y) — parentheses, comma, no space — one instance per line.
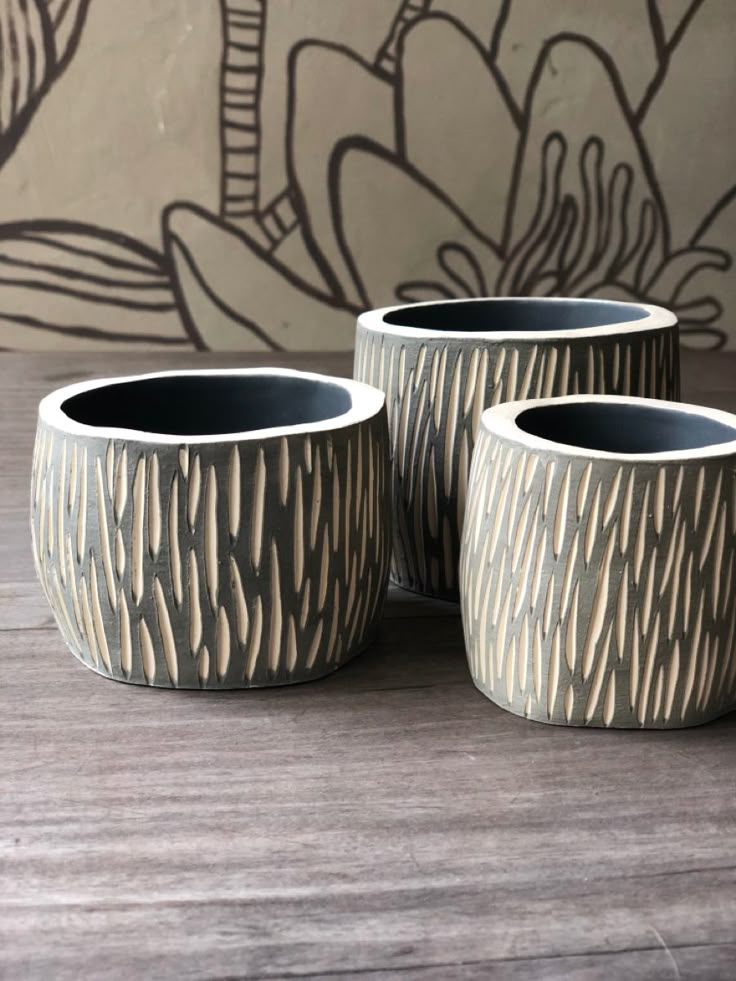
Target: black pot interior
(202,405)
(515,314)
(619,428)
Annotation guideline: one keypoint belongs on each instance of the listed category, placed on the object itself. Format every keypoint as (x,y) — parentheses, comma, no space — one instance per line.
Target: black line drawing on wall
(477,175)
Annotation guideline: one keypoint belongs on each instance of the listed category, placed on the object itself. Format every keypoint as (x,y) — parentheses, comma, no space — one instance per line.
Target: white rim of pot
(366,402)
(657,318)
(501,420)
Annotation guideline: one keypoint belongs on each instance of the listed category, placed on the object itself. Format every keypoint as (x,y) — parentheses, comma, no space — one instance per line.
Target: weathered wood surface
(385,822)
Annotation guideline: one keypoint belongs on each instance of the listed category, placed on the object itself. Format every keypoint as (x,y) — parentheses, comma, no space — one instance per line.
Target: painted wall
(247,174)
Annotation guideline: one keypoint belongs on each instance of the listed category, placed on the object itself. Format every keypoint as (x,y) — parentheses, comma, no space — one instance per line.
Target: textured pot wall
(182,174)
(600,593)
(435,394)
(220,566)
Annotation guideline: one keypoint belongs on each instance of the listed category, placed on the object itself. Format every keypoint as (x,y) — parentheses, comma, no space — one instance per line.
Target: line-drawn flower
(417,188)
(434,149)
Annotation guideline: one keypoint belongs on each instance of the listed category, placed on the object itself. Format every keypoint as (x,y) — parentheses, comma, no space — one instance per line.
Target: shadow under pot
(213,529)
(441,364)
(597,567)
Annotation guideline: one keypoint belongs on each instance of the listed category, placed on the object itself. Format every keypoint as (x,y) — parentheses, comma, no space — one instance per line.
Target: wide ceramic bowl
(440,364)
(597,569)
(213,529)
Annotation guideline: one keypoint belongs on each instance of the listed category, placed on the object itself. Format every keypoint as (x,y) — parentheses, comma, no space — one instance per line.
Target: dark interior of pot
(202,405)
(515,315)
(620,428)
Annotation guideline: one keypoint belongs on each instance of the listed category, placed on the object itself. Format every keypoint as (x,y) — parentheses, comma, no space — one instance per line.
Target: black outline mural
(599,225)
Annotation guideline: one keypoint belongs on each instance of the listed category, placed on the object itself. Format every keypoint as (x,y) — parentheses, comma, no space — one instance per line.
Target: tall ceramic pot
(442,363)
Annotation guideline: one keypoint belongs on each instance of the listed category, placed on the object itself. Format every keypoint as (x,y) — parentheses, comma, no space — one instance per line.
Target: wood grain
(385,822)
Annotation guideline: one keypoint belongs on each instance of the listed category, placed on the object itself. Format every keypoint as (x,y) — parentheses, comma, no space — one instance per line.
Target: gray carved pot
(597,566)
(213,529)
(441,364)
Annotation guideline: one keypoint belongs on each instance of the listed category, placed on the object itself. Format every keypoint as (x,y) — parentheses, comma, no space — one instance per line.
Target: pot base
(690,722)
(278,682)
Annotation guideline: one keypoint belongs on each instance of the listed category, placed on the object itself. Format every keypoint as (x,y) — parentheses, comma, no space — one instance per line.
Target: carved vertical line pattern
(137,546)
(60,525)
(707,540)
(298,530)
(350,477)
(195,484)
(592,526)
(234,493)
(258,511)
(583,490)
(324,571)
(105,538)
(316,498)
(291,650)
(72,495)
(315,644)
(154,506)
(148,660)
(641,535)
(110,467)
(222,643)
(166,632)
(39,466)
(284,470)
(82,508)
(211,560)
(698,500)
(195,608)
(553,676)
(119,554)
(336,502)
(126,645)
(276,625)
(170,564)
(254,646)
(203,666)
(51,537)
(558,533)
(569,573)
(598,677)
(89,630)
(241,609)
(598,610)
(666,613)
(174,546)
(121,485)
(71,634)
(73,584)
(304,613)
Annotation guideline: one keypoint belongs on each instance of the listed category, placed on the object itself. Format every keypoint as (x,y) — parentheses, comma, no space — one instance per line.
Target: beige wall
(250,173)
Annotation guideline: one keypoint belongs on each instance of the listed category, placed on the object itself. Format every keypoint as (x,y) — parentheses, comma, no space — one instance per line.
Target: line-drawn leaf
(90,284)
(37,40)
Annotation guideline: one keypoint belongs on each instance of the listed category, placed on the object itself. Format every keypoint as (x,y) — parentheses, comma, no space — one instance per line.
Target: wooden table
(386,822)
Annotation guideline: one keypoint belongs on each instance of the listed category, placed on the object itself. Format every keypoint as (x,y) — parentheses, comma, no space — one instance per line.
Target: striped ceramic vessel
(213,529)
(440,364)
(597,567)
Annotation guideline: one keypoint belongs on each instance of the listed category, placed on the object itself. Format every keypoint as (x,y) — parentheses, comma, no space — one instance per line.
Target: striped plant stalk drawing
(243,29)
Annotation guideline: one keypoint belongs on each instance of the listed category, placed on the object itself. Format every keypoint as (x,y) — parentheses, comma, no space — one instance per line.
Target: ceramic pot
(597,568)
(441,364)
(213,529)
